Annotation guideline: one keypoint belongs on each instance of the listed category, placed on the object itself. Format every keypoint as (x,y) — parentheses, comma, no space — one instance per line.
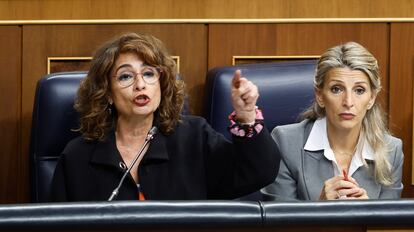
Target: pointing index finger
(236,79)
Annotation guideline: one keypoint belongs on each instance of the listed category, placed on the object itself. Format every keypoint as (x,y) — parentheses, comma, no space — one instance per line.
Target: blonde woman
(342,150)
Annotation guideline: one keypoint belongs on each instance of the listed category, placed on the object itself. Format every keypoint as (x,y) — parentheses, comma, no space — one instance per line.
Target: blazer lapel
(365,178)
(157,149)
(106,153)
(154,169)
(316,170)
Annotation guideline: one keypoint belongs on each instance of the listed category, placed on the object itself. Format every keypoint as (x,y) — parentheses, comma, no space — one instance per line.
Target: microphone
(149,137)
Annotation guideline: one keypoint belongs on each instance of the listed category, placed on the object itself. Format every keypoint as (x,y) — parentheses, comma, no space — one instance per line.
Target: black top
(192,163)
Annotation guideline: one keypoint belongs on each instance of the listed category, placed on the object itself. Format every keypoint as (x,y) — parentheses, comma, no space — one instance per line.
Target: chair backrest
(54,119)
(285,88)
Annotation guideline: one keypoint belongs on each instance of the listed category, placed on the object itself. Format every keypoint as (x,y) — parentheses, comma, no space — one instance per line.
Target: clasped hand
(339,188)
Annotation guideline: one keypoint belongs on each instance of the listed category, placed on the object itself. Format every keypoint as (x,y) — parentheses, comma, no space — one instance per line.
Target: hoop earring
(110,108)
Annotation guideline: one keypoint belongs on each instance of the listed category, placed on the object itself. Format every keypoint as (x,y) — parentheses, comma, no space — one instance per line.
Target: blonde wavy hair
(97,117)
(355,57)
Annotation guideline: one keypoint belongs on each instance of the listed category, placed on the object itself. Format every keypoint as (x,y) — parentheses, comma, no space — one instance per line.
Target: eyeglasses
(149,74)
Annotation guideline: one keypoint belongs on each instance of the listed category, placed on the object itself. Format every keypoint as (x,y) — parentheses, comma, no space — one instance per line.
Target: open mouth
(141,100)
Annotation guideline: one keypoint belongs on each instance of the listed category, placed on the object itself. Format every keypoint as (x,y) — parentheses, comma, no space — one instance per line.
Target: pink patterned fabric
(246,129)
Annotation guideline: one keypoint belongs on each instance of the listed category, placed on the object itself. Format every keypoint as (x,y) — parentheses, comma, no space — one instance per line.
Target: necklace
(344,153)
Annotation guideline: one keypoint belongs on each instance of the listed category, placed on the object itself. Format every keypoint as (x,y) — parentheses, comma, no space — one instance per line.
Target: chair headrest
(53,112)
(285,88)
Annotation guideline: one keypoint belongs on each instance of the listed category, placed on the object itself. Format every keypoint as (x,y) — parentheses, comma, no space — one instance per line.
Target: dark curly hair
(92,100)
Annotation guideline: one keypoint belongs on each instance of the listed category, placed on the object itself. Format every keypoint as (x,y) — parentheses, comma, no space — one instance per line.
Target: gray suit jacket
(303,173)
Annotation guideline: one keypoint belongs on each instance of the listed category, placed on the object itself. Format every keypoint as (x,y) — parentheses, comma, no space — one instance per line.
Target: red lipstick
(141,100)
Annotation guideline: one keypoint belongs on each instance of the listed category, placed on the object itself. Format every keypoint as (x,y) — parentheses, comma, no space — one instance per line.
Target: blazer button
(122,165)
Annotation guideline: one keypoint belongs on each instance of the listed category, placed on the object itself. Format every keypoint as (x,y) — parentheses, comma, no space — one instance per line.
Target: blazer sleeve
(284,187)
(58,186)
(240,167)
(394,190)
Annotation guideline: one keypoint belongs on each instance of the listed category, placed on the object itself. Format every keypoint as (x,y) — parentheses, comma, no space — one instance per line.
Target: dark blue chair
(285,88)
(54,119)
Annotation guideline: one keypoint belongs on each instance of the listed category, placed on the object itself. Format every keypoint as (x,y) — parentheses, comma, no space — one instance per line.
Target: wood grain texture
(189,41)
(228,40)
(199,47)
(377,229)
(12,162)
(202,9)
(401,94)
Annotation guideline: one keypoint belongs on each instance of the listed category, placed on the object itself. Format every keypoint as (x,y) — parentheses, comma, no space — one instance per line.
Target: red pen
(345,175)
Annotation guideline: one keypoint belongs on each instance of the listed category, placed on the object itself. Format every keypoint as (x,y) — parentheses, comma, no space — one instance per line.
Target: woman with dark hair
(342,150)
(131,88)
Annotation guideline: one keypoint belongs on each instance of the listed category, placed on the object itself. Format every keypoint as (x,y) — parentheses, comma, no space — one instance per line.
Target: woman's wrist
(246,117)
(246,128)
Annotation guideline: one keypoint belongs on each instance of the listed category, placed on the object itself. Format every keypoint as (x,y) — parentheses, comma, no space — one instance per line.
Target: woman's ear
(372,100)
(318,97)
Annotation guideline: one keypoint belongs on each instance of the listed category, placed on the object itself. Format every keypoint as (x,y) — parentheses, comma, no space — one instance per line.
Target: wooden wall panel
(203,9)
(227,40)
(188,41)
(401,93)
(12,165)
(24,61)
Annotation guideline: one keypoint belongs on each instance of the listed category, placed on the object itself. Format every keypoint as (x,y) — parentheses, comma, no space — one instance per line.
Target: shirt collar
(367,151)
(107,153)
(318,140)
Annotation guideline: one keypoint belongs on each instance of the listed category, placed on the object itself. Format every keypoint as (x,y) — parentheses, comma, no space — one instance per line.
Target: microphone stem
(116,190)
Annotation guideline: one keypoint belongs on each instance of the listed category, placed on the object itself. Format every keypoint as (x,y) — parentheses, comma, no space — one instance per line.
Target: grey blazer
(303,173)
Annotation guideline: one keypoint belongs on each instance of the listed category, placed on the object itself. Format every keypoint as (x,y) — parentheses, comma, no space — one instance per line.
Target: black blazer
(193,163)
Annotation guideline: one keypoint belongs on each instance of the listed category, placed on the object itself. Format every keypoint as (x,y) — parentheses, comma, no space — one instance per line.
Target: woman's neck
(128,130)
(343,141)
(130,137)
